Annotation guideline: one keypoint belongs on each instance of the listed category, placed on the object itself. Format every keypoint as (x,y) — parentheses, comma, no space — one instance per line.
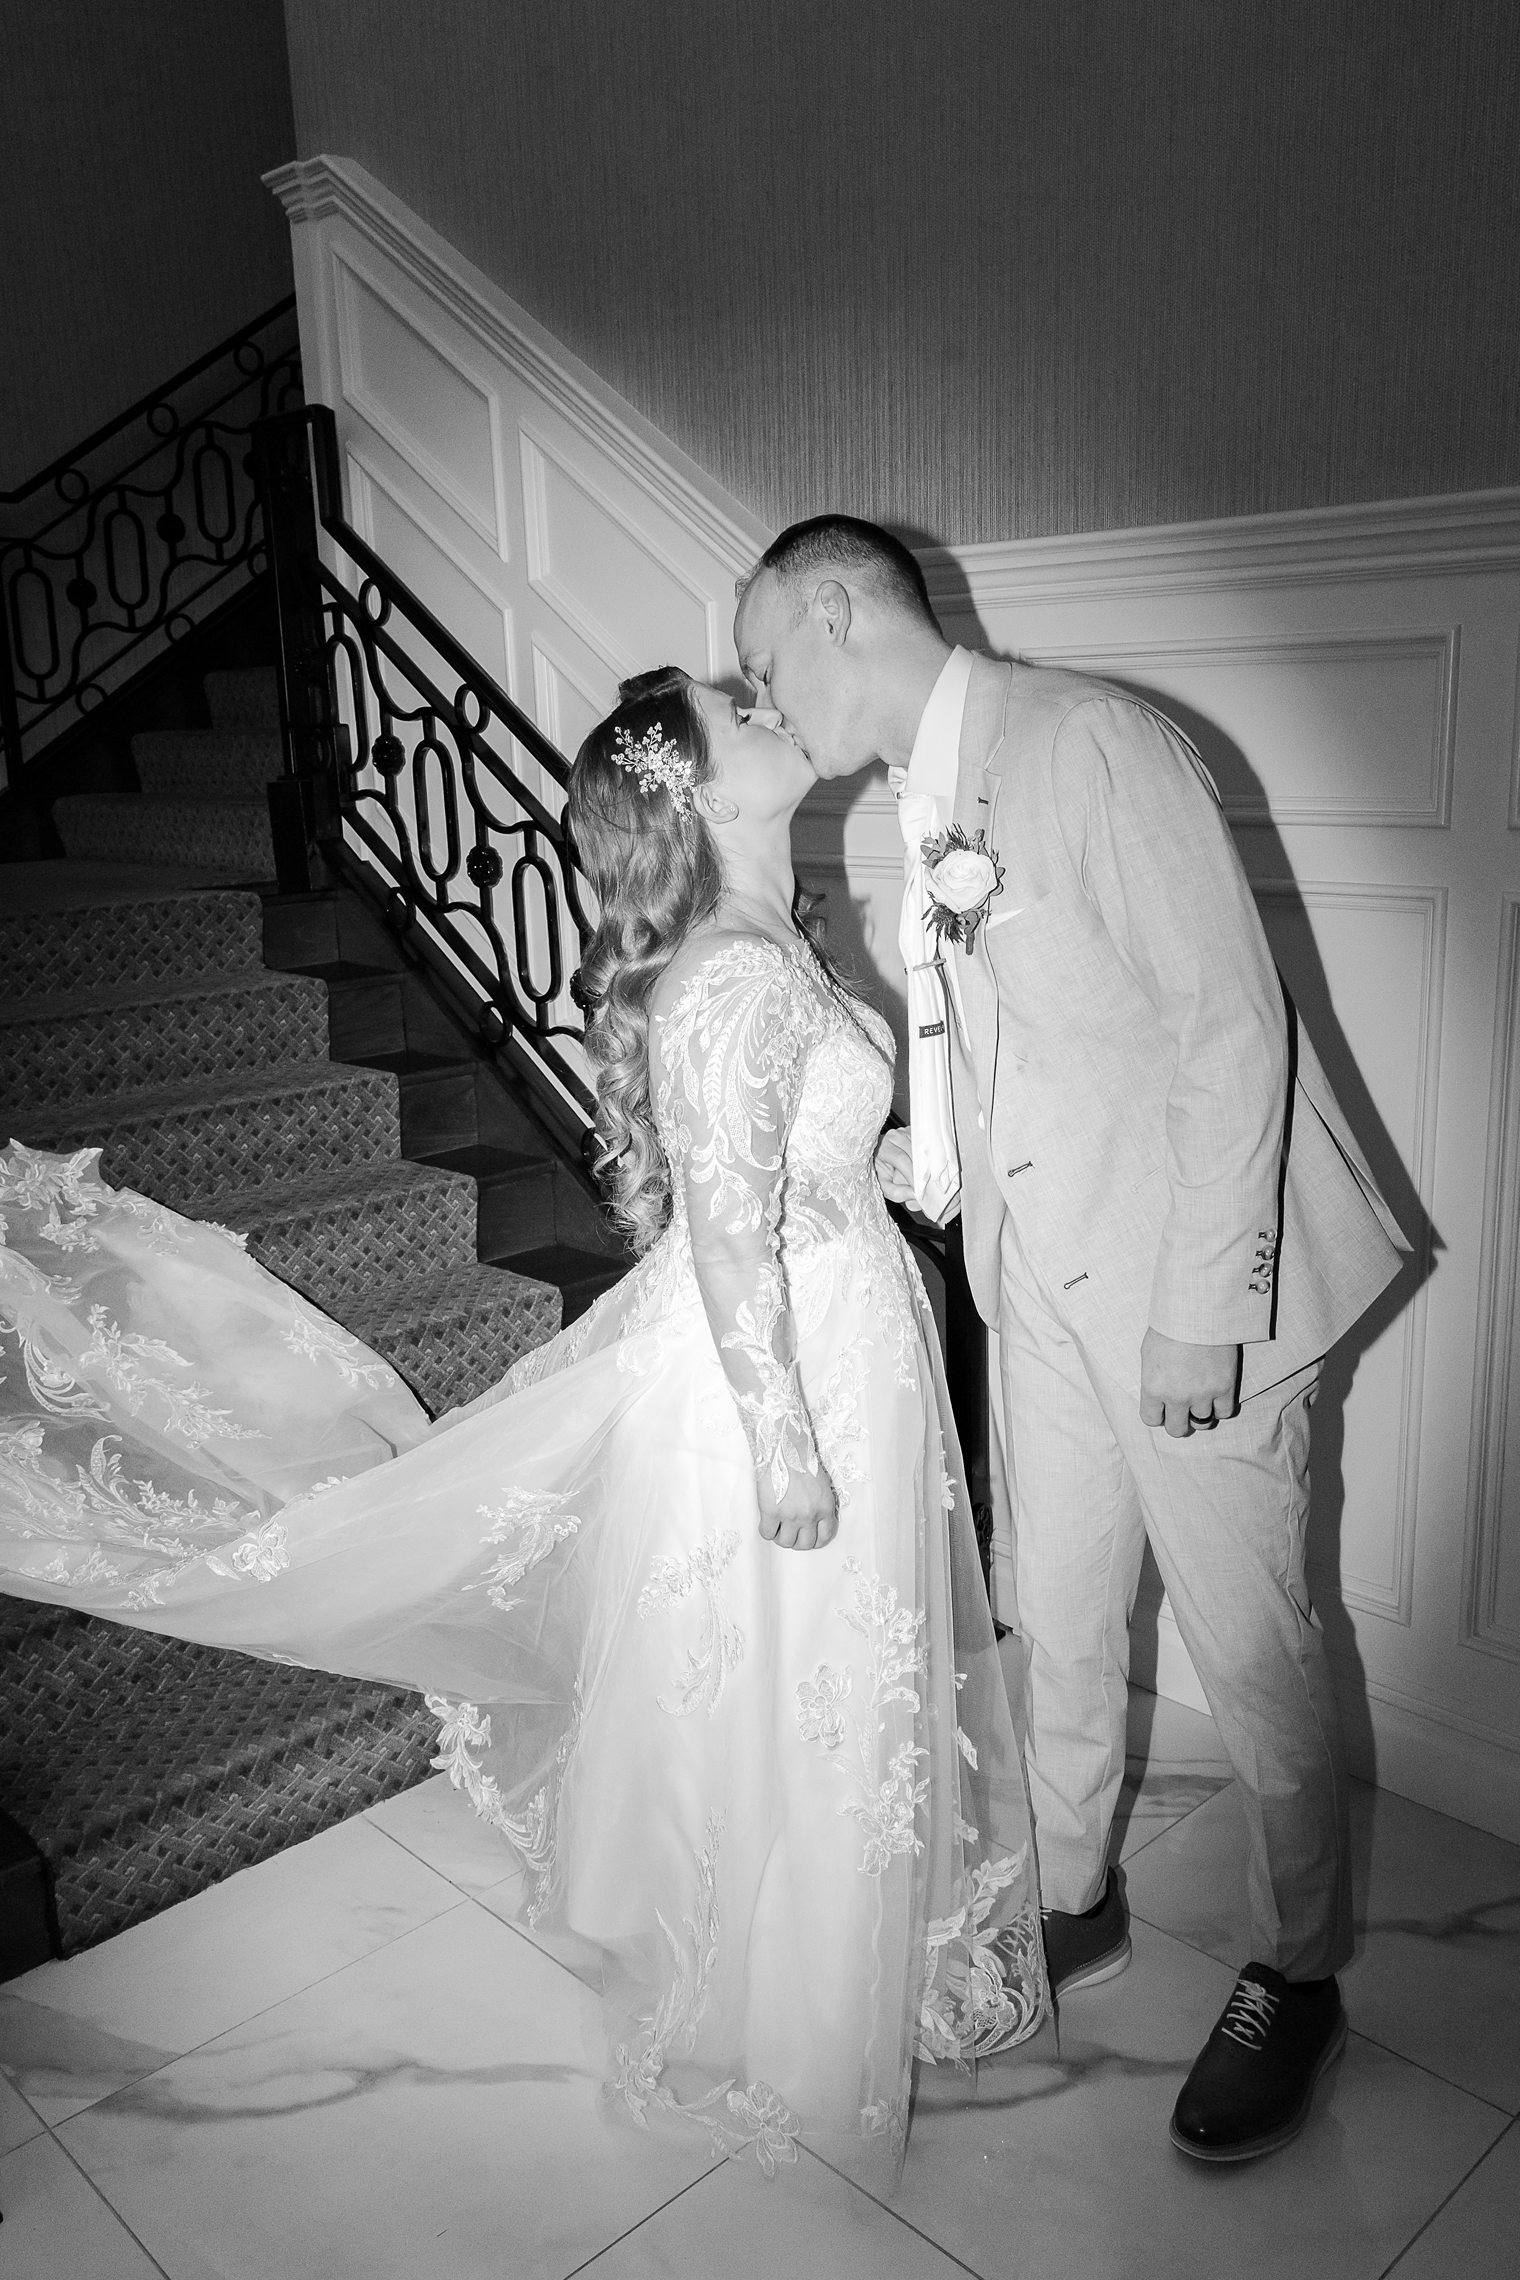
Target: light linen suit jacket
(1131,1085)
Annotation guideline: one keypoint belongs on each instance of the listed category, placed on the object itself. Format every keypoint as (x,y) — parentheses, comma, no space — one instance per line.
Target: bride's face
(756,765)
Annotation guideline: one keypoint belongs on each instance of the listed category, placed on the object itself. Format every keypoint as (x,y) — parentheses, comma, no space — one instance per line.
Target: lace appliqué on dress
(734,2119)
(531,1833)
(720,1647)
(887,1790)
(531,1521)
(984,1983)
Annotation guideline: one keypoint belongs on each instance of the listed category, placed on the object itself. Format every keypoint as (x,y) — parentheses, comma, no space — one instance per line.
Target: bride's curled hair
(657,874)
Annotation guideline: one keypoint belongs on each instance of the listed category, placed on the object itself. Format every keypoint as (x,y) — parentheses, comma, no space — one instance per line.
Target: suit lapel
(983,726)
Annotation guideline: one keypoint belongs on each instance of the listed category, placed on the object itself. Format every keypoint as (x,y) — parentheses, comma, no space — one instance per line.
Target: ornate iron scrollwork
(126,541)
(448,795)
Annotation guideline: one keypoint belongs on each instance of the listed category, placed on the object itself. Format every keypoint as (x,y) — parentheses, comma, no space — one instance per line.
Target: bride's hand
(894,1164)
(805,1518)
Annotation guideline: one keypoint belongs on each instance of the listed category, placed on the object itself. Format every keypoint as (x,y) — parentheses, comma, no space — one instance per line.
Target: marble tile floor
(348,2063)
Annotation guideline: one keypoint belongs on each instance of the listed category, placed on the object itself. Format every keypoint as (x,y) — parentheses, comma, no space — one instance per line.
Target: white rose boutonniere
(962,876)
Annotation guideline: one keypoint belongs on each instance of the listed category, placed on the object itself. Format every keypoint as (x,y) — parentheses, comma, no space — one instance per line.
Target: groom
(1166,1220)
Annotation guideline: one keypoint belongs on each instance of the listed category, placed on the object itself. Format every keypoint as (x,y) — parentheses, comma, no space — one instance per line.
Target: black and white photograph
(760,1140)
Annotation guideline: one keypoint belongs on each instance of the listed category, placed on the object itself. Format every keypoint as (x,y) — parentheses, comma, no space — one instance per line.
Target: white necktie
(936,1159)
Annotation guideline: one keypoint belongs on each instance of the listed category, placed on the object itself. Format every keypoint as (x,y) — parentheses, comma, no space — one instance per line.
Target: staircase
(272,1063)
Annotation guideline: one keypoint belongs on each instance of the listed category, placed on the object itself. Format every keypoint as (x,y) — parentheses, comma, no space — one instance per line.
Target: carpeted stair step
(183,938)
(580,1277)
(453,1336)
(86,1044)
(246,698)
(230,836)
(203,1762)
(186,1142)
(343,1237)
(207,764)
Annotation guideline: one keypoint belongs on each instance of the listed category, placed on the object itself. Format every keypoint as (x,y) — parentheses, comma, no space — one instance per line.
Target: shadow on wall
(1307,985)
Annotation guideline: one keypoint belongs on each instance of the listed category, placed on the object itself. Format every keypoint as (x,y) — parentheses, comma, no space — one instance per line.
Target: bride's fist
(894,1164)
(805,1518)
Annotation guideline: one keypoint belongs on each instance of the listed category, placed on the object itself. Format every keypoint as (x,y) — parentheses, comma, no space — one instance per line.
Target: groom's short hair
(844,546)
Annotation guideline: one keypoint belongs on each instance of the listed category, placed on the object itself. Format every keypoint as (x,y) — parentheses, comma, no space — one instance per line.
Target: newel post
(304,803)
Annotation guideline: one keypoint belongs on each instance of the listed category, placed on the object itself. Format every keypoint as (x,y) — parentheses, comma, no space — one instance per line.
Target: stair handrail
(157,548)
(318,811)
(70,460)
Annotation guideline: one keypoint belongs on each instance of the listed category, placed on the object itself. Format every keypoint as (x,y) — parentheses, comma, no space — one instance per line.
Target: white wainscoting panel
(608,580)
(1493,1528)
(1350,677)
(1356,731)
(1384,945)
(430,410)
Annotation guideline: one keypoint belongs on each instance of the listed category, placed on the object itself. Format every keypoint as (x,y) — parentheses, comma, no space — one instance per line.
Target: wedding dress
(775,1794)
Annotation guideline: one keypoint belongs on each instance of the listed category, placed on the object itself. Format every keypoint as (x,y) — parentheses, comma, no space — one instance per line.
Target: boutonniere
(962,876)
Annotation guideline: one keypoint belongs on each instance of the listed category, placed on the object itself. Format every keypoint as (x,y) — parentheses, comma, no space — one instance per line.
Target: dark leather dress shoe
(1083,1951)
(1252,2084)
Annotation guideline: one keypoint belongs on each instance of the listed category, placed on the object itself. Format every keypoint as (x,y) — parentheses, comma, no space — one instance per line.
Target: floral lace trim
(99,1499)
(259,1556)
(887,1789)
(533,1832)
(984,1986)
(734,2119)
(531,1521)
(720,1647)
(312,1338)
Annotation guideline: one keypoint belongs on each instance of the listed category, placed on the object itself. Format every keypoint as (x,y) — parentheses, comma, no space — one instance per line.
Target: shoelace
(1249,2013)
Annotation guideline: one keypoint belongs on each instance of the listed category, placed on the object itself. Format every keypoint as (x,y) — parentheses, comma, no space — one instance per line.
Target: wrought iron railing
(121,545)
(410,771)
(403,754)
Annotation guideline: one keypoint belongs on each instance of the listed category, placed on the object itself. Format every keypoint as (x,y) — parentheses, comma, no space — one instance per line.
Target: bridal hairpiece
(653,759)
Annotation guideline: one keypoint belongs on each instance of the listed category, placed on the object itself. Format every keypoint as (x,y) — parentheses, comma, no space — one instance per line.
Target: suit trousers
(1225,1512)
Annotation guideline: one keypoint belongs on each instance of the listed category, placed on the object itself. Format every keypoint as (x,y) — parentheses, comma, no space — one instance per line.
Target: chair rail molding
(1349,676)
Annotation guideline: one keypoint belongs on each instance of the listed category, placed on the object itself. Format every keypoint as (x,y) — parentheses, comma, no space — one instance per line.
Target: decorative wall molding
(1403,538)
(350,279)
(366,479)
(1393,1599)
(1493,1489)
(539,456)
(551,677)
(1437,649)
(310,189)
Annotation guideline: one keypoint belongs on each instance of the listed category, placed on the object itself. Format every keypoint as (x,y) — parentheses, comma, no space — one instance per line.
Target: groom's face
(797,666)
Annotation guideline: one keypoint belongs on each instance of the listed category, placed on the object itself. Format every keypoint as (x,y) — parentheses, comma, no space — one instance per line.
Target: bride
(694,1592)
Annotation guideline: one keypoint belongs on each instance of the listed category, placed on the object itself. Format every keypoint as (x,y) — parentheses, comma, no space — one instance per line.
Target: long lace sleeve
(731,1057)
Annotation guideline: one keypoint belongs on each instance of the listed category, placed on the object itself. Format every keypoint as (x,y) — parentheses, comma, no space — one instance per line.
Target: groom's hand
(1186,1387)
(894,1164)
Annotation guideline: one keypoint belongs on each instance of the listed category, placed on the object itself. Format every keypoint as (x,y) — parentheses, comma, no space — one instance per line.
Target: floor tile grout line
(887,2210)
(476,1900)
(1123,1859)
(1433,2074)
(174,2057)
(1447,2199)
(628,2231)
(106,2202)
(1361,2034)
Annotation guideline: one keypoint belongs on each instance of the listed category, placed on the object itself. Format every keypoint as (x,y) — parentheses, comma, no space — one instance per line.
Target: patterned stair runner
(142,1020)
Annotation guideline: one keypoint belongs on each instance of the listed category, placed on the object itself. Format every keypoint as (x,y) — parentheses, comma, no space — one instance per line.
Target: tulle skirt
(775,1798)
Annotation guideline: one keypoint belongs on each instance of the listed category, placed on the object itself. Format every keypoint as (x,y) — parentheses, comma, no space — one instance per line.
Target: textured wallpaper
(136,231)
(984,268)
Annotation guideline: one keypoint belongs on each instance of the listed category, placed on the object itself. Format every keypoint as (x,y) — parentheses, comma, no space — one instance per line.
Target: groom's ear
(831,604)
